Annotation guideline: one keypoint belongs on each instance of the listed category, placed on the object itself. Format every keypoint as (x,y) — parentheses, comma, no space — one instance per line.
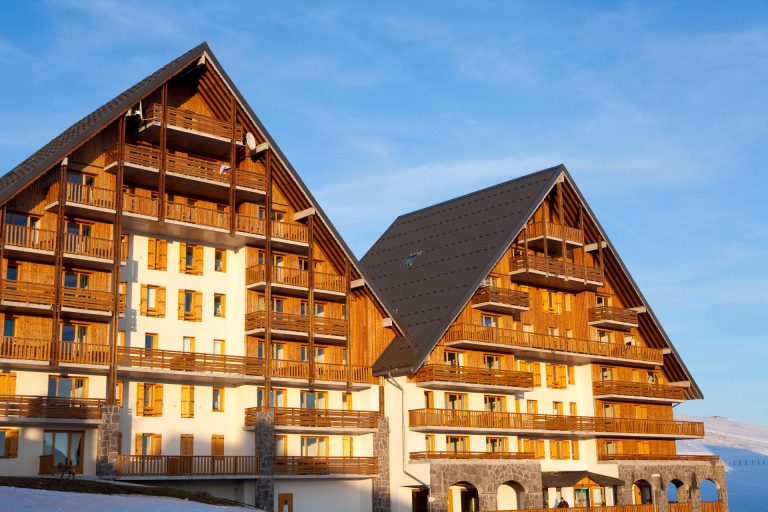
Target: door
(285,503)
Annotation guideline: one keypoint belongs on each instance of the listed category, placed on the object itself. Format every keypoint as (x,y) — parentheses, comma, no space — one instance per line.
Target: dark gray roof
(568,478)
(458,242)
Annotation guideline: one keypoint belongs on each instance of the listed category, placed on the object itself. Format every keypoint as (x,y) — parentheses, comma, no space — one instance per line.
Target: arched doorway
(510,496)
(708,490)
(463,497)
(642,492)
(676,491)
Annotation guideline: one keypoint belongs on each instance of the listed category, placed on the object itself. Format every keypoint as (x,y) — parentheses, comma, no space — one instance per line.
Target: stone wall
(486,476)
(380,500)
(108,441)
(661,474)
(265,450)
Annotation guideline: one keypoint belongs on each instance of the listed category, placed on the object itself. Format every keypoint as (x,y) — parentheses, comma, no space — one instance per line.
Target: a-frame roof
(456,244)
(76,135)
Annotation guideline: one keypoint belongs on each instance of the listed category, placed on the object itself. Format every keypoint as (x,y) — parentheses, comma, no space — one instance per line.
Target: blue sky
(658,109)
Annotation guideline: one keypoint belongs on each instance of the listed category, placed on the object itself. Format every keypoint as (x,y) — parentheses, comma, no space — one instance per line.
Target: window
(496,444)
(346,401)
(493,403)
(277,397)
(278,260)
(451,358)
(534,446)
(187,344)
(67,387)
(609,410)
(187,445)
(220,260)
(408,261)
(489,321)
(150,341)
(281,446)
(606,373)
(157,254)
(347,446)
(190,259)
(152,300)
(190,305)
(492,361)
(314,400)
(455,401)
(557,376)
(611,448)
(560,450)
(278,305)
(148,444)
(575,450)
(9,443)
(571,375)
(217,445)
(9,327)
(319,309)
(602,301)
(218,400)
(573,409)
(74,332)
(532,407)
(553,331)
(187,401)
(603,336)
(12,272)
(630,340)
(149,399)
(651,377)
(552,302)
(429,442)
(278,351)
(76,279)
(314,446)
(557,408)
(532,368)
(219,347)
(219,305)
(64,447)
(456,444)
(429,400)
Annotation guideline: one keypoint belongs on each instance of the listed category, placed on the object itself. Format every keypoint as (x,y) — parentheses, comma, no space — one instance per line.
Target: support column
(58,264)
(163,151)
(311,288)
(117,250)
(108,443)
(265,450)
(380,498)
(348,315)
(268,278)
(232,166)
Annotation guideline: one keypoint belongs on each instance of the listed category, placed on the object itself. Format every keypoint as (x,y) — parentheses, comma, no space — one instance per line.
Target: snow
(14,499)
(725,432)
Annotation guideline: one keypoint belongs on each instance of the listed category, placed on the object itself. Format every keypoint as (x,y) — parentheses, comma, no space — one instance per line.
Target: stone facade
(380,499)
(265,449)
(686,475)
(108,441)
(486,476)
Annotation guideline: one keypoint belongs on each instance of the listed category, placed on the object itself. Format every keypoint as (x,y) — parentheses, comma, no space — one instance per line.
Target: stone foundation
(108,441)
(380,500)
(265,450)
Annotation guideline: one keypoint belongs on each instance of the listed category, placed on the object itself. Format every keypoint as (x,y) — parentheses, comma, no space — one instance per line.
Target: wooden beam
(639,309)
(58,262)
(303,214)
(163,150)
(232,166)
(311,285)
(268,277)
(357,283)
(681,383)
(595,246)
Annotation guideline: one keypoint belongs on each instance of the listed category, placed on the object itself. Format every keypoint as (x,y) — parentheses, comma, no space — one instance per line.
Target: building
(491,352)
(532,367)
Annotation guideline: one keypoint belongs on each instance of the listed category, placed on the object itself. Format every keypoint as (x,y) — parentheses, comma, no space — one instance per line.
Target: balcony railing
(555,268)
(287,231)
(651,456)
(84,195)
(25,349)
(30,238)
(189,120)
(615,508)
(546,422)
(324,418)
(177,361)
(249,224)
(493,294)
(141,205)
(612,317)
(187,465)
(471,455)
(331,282)
(473,375)
(197,215)
(522,339)
(635,389)
(550,229)
(301,465)
(297,323)
(333,372)
(27,406)
(82,353)
(43,295)
(711,506)
(280,275)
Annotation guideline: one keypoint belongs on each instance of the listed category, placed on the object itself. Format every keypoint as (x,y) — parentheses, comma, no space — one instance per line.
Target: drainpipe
(405,431)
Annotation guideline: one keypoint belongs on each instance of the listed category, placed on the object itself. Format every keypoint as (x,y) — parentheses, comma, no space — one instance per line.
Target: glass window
(9,327)
(220,260)
(12,272)
(218,399)
(451,358)
(489,321)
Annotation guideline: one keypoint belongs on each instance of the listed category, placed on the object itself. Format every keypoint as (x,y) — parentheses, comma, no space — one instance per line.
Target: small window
(220,260)
(219,305)
(218,400)
(407,262)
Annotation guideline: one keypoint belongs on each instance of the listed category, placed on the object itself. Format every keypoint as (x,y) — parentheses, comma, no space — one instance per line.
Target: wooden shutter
(550,376)
(575,450)
(140,399)
(198,259)
(12,443)
(197,306)
(217,445)
(158,403)
(539,449)
(162,255)
(7,384)
(565,449)
(571,374)
(181,304)
(156,444)
(182,259)
(143,308)
(187,444)
(561,376)
(536,371)
(152,253)
(553,453)
(137,444)
(573,411)
(160,297)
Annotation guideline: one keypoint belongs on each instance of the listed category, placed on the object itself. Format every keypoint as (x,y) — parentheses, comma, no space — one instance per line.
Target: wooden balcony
(77,353)
(25,349)
(656,457)
(27,239)
(289,234)
(301,465)
(287,369)
(83,200)
(39,244)
(637,391)
(146,207)
(160,466)
(197,216)
(607,317)
(76,302)
(293,326)
(464,420)
(294,281)
(27,406)
(500,300)
(552,234)
(528,343)
(616,508)
(418,456)
(187,365)
(443,376)
(249,225)
(554,273)
(340,420)
(190,131)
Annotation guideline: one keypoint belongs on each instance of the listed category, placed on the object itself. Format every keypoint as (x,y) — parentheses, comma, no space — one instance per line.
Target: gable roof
(569,478)
(458,242)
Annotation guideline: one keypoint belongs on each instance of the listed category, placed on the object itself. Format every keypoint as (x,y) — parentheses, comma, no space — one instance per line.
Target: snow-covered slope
(725,432)
(14,499)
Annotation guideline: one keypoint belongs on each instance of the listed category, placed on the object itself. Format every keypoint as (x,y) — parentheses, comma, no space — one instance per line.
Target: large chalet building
(178,310)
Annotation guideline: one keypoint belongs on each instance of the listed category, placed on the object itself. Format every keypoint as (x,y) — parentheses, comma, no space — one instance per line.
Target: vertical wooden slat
(58,262)
(311,285)
(232,166)
(348,291)
(163,155)
(268,276)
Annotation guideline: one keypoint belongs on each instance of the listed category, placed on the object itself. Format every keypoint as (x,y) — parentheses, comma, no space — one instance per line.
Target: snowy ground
(14,499)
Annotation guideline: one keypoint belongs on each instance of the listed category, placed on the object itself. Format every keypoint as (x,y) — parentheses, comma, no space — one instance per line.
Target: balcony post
(58,263)
(163,156)
(347,344)
(561,207)
(232,165)
(268,314)
(311,286)
(583,251)
(2,233)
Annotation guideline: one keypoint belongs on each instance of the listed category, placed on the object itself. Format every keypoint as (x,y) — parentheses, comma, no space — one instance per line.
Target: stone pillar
(532,499)
(660,497)
(722,491)
(696,498)
(265,450)
(624,494)
(380,499)
(108,442)
(488,501)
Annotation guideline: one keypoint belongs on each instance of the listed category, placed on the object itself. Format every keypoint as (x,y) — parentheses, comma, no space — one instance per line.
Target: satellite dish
(250,141)
(136,112)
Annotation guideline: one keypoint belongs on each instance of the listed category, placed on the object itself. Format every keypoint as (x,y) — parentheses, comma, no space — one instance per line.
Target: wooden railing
(473,375)
(612,314)
(177,361)
(333,372)
(26,349)
(502,296)
(189,120)
(92,247)
(30,238)
(280,275)
(26,293)
(616,508)
(27,406)
(330,326)
(537,229)
(299,465)
(627,388)
(555,267)
(680,507)
(287,231)
(197,215)
(83,298)
(82,353)
(330,418)
(652,456)
(470,455)
(84,195)
(144,156)
(187,465)
(711,506)
(522,339)
(331,282)
(142,205)
(521,421)
(249,224)
(298,323)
